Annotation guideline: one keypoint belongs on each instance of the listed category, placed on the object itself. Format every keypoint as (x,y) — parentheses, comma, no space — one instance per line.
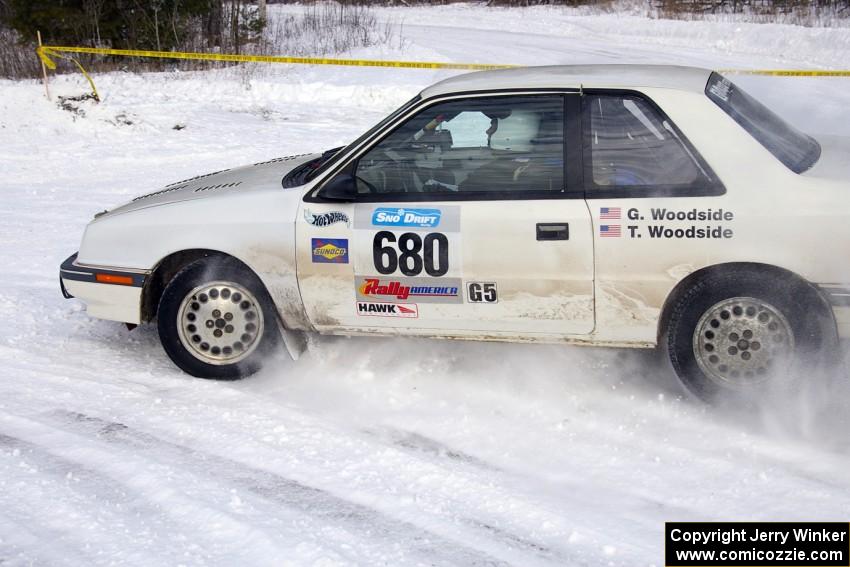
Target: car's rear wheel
(739,335)
(216,321)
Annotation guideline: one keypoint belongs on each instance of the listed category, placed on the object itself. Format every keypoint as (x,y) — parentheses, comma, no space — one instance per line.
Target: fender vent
(168,189)
(219,186)
(280,159)
(195,178)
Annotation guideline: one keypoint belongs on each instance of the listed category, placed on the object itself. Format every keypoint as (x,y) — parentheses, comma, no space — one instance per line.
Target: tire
(738,335)
(216,321)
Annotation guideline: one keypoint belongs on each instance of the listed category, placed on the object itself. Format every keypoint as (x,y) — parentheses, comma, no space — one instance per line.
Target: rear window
(793,148)
(632,145)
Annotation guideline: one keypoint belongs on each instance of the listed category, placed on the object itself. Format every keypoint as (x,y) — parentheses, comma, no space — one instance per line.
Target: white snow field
(365,451)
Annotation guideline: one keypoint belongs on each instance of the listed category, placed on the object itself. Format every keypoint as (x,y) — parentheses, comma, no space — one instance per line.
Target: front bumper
(108,293)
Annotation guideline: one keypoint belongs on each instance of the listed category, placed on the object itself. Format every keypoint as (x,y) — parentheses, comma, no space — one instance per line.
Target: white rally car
(633,206)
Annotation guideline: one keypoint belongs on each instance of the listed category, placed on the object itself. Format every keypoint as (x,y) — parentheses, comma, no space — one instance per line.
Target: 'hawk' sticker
(403,310)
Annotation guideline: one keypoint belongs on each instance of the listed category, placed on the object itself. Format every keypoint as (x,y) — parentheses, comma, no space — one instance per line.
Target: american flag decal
(609,231)
(609,213)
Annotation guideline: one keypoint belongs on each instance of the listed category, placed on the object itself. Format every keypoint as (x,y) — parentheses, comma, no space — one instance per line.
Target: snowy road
(365,451)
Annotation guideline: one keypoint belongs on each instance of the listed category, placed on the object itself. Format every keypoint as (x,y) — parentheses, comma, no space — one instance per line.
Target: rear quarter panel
(768,215)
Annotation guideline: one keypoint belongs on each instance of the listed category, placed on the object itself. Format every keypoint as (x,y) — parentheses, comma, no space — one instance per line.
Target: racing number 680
(412,255)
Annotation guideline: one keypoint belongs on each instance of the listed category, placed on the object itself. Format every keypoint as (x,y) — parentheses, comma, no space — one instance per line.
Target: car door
(659,211)
(465,222)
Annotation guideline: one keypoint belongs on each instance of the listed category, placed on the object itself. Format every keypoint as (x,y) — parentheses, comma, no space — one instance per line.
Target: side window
(489,145)
(468,129)
(631,146)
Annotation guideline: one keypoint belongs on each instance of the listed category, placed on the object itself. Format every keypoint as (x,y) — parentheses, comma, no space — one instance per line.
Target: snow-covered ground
(366,451)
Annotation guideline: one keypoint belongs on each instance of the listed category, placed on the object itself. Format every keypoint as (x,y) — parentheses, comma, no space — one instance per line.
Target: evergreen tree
(129,24)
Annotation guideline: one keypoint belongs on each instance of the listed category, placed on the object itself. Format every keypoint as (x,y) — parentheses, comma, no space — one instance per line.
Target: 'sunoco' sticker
(330,250)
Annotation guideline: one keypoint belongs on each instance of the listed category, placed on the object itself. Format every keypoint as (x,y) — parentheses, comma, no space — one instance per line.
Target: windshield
(336,156)
(793,148)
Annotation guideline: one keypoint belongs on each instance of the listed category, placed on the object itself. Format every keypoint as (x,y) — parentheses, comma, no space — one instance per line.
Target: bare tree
(156,6)
(235,40)
(94,10)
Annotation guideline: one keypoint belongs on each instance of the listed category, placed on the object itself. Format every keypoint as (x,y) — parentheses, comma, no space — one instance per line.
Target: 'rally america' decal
(403,310)
(325,219)
(658,229)
(397,290)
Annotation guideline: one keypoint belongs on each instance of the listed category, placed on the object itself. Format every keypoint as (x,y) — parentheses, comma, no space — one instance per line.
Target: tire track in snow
(23,537)
(453,507)
(482,515)
(418,443)
(76,483)
(414,442)
(410,442)
(148,485)
(427,546)
(421,446)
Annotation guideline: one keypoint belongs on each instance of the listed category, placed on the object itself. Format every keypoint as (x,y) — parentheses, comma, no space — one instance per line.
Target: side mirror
(343,187)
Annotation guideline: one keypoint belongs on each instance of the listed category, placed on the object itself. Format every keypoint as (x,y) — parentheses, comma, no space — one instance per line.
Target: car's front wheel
(215,320)
(737,335)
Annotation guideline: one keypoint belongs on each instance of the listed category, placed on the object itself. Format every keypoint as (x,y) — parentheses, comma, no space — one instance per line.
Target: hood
(834,162)
(262,175)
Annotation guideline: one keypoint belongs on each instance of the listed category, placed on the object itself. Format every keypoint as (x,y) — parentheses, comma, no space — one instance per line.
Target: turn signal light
(113,279)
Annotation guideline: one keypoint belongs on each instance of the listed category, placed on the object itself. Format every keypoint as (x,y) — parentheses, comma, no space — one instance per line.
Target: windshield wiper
(304,172)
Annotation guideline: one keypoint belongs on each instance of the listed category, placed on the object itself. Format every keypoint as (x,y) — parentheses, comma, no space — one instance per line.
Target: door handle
(553,231)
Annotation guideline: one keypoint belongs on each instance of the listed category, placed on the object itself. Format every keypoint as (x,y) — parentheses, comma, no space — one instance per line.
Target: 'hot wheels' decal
(325,219)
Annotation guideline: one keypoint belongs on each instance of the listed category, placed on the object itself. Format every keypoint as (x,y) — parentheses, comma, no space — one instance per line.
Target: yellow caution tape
(787,72)
(51,65)
(45,52)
